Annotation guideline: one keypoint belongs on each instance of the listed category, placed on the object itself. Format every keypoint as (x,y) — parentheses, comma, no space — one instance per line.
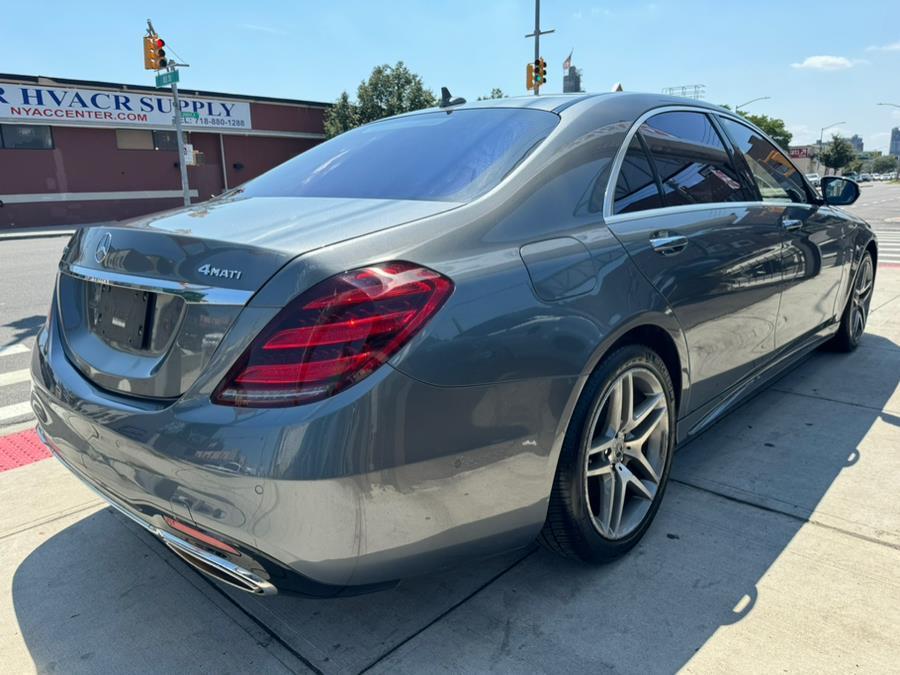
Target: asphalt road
(26,286)
(879,205)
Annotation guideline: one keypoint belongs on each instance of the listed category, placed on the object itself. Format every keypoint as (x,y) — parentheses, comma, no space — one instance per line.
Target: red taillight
(334,335)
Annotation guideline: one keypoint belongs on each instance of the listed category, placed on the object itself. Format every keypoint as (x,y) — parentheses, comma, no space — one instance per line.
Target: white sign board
(189,154)
(75,107)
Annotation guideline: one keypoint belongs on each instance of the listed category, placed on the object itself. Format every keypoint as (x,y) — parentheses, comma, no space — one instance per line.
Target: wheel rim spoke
(626,452)
(634,452)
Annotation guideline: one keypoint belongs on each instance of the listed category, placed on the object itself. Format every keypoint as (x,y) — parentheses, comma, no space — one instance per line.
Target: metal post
(182,167)
(537,37)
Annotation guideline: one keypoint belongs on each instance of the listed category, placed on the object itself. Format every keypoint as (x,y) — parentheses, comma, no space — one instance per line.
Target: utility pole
(155,59)
(182,167)
(537,37)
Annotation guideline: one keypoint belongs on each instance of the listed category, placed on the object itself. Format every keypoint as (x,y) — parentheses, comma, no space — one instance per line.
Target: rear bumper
(387,480)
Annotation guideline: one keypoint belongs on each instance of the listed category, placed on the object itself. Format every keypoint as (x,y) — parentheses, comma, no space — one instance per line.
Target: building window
(165,140)
(134,139)
(26,137)
(144,139)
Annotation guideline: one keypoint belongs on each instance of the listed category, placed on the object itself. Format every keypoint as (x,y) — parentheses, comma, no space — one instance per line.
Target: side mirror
(839,191)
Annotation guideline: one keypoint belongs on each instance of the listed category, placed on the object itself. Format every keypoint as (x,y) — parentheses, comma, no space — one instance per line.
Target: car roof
(638,101)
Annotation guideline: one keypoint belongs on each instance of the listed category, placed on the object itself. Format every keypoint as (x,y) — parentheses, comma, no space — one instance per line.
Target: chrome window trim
(608,215)
(687,208)
(190,293)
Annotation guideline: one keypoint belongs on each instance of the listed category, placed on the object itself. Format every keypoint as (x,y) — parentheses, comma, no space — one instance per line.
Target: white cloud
(578,15)
(892,47)
(827,63)
(263,29)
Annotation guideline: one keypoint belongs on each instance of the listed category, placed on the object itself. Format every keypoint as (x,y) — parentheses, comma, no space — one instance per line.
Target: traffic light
(529,76)
(154,54)
(540,72)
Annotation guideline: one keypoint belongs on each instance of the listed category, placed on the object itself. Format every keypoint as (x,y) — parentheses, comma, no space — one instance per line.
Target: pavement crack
(793,516)
(448,611)
(818,397)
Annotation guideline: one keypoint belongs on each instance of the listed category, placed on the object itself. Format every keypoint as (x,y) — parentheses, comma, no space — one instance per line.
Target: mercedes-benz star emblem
(103,247)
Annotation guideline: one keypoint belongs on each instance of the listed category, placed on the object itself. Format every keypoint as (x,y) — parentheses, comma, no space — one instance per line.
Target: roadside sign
(188,115)
(189,158)
(165,79)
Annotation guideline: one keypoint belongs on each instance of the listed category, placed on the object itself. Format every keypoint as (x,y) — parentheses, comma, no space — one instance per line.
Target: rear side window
(775,176)
(636,188)
(691,160)
(444,156)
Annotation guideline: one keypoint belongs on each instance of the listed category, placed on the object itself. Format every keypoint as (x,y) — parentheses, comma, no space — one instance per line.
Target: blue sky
(820,62)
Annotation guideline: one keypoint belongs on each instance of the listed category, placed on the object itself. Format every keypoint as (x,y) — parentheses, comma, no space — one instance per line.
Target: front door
(813,253)
(683,214)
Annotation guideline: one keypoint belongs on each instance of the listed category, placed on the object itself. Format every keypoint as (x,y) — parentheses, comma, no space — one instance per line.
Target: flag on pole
(568,62)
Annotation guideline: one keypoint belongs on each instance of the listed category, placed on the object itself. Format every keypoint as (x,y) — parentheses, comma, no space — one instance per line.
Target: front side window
(443,156)
(636,188)
(691,160)
(775,176)
(26,137)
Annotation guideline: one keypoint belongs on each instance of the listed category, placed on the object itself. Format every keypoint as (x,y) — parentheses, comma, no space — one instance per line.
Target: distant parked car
(864,178)
(814,179)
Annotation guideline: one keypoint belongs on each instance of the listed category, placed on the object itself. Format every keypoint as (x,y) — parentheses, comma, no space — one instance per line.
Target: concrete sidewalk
(777,548)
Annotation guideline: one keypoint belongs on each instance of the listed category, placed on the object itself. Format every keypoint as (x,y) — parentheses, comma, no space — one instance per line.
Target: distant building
(572,81)
(804,157)
(857,142)
(895,142)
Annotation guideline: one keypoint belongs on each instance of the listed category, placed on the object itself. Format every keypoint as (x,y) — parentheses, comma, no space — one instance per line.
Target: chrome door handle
(669,244)
(791,224)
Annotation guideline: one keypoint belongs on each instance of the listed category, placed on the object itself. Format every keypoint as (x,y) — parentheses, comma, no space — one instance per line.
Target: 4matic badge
(210,271)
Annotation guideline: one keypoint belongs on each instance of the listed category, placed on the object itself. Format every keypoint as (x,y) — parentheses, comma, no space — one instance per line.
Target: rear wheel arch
(659,340)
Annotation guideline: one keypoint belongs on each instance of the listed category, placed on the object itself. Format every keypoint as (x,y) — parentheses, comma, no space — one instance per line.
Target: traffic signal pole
(537,38)
(155,59)
(182,167)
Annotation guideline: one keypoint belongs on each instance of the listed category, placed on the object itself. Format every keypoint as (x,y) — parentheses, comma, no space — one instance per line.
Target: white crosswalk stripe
(14,411)
(15,406)
(17,348)
(15,376)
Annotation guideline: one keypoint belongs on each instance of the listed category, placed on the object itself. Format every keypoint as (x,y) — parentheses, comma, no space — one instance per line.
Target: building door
(206,176)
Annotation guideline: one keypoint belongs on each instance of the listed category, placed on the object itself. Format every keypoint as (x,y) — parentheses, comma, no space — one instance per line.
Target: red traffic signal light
(161,60)
(154,54)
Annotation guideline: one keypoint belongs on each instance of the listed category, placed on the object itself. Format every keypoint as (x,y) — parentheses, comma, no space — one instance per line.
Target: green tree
(884,164)
(496,92)
(390,90)
(773,126)
(343,115)
(838,154)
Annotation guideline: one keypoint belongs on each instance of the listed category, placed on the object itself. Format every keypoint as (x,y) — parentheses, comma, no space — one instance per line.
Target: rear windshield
(442,156)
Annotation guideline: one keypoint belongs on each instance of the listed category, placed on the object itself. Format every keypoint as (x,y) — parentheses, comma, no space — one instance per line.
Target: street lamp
(761,98)
(821,134)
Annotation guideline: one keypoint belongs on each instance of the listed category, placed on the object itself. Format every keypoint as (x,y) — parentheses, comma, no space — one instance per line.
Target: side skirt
(700,420)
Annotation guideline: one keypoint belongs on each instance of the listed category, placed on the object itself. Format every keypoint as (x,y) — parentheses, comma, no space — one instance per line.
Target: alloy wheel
(862,296)
(627,448)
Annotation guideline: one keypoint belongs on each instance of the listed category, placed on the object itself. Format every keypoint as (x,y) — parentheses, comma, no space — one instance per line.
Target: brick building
(74,151)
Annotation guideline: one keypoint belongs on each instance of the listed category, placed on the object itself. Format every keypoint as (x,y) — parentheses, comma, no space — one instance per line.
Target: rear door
(682,211)
(813,258)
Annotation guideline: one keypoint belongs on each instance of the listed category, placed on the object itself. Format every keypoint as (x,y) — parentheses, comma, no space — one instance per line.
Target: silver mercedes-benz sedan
(442,335)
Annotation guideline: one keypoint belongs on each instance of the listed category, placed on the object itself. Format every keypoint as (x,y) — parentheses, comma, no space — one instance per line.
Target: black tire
(851,331)
(570,528)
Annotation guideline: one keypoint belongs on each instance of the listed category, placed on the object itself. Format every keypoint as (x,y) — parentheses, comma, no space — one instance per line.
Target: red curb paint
(21,449)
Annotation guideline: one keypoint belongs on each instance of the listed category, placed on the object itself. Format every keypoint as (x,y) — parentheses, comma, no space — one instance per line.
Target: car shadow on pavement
(739,495)
(24,328)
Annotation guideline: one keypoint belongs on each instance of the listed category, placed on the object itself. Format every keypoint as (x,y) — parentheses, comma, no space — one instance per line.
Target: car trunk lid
(143,306)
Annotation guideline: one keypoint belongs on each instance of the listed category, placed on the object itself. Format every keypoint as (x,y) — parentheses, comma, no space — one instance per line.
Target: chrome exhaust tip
(216,567)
